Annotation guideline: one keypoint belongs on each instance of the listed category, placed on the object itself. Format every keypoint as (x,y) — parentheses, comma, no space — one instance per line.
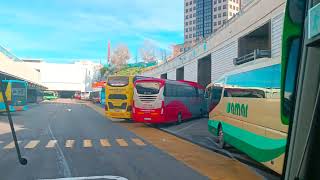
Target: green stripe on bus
(260,148)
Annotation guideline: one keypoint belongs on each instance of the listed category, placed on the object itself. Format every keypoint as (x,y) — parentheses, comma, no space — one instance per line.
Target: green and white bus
(245,112)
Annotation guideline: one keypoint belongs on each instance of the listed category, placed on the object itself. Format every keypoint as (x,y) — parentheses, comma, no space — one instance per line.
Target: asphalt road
(72,140)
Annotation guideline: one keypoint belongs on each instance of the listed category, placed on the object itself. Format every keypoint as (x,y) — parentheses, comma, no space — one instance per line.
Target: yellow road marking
(32,144)
(51,144)
(138,142)
(122,142)
(69,143)
(87,143)
(10,145)
(105,143)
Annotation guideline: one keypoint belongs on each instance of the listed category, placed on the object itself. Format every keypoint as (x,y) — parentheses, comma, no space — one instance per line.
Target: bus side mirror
(291,55)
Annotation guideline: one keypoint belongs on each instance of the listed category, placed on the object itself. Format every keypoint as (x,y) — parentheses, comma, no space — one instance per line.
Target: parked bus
(119,93)
(49,95)
(16,92)
(167,101)
(245,112)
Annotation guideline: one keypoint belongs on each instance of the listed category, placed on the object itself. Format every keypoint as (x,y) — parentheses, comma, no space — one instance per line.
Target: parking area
(196,131)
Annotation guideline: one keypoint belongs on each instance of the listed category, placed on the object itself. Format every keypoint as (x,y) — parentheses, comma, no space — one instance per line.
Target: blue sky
(69,30)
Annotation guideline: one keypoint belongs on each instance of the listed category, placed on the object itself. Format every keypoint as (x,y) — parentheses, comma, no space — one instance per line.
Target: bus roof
(257,64)
(190,83)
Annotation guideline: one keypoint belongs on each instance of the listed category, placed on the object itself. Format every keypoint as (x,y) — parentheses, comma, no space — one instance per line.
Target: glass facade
(204,18)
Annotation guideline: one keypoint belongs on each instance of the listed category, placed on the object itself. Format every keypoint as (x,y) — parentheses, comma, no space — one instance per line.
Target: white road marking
(32,144)
(105,143)
(138,142)
(90,177)
(87,143)
(10,145)
(122,142)
(61,158)
(51,144)
(69,143)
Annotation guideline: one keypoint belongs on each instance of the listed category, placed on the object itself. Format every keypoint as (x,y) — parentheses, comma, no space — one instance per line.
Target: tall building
(224,10)
(189,23)
(204,17)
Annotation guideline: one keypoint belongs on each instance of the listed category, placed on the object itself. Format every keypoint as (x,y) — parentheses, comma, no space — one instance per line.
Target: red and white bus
(167,101)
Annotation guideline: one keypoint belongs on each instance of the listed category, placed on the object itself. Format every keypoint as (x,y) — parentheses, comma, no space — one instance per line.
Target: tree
(147,51)
(120,56)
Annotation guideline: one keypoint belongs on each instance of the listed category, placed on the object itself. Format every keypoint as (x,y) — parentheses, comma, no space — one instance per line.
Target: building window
(190,35)
(224,6)
(194,28)
(214,2)
(186,10)
(230,13)
(215,23)
(187,16)
(234,8)
(190,15)
(219,8)
(186,29)
(219,15)
(190,9)
(190,22)
(194,14)
(215,9)
(224,14)
(190,2)
(190,28)
(194,8)
(219,1)
(194,35)
(186,36)
(194,21)
(186,23)
(187,4)
(237,9)
(215,16)
(219,22)
(230,6)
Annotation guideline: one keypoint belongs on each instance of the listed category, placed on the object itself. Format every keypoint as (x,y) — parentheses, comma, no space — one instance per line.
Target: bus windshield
(148,88)
(118,81)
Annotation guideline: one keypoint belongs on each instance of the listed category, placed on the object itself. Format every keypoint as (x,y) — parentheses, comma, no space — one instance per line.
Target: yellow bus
(244,109)
(119,96)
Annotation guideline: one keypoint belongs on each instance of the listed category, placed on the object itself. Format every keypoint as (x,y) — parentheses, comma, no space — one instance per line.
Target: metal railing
(9,54)
(256,54)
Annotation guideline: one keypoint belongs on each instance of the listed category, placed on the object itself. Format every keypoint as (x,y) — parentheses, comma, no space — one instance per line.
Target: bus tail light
(162,108)
(106,107)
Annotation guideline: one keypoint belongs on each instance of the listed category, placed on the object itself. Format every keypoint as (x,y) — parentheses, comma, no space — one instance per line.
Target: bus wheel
(220,137)
(179,118)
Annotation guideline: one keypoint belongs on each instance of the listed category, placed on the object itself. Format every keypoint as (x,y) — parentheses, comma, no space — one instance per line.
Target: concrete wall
(172,75)
(191,71)
(222,60)
(276,35)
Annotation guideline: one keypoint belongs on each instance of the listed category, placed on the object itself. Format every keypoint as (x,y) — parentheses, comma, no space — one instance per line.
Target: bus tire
(220,137)
(179,120)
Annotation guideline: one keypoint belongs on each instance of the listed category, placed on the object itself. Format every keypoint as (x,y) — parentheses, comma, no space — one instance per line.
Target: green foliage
(129,71)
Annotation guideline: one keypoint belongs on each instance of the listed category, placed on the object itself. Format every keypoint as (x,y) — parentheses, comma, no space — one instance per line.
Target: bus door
(19,94)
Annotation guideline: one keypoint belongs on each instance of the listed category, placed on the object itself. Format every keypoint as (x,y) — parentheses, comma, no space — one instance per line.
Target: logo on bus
(238,109)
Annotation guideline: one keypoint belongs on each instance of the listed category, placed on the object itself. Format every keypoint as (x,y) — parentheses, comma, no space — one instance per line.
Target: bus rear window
(117,96)
(119,81)
(148,88)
